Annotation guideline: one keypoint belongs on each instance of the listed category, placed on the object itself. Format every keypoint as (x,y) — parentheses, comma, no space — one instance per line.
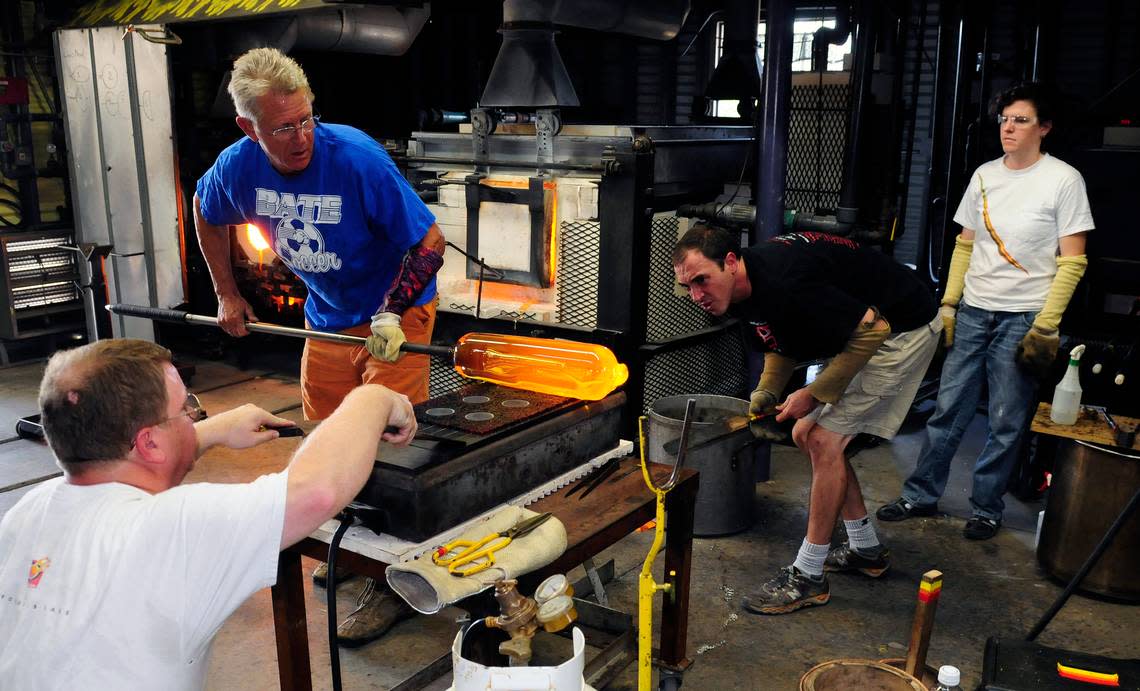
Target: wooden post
(928,591)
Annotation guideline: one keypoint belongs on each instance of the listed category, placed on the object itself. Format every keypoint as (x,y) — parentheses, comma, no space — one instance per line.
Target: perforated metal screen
(442,378)
(817,134)
(668,314)
(713,367)
(577,280)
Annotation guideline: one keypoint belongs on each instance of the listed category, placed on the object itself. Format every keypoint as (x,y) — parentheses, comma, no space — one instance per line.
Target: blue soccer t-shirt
(342,225)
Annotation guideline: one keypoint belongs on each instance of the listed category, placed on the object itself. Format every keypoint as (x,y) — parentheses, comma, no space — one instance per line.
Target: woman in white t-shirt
(1021,253)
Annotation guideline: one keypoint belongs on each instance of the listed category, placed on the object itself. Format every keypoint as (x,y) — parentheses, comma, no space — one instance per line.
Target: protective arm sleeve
(833,380)
(778,370)
(1069,273)
(419,266)
(959,263)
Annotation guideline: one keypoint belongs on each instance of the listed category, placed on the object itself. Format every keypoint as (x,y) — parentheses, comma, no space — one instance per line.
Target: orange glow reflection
(553,231)
(257,240)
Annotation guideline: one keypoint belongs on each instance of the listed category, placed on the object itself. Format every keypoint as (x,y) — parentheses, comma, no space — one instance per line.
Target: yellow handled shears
(466,557)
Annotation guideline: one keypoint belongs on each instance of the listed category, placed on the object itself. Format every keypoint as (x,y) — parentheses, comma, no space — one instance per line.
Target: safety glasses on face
(192,408)
(1017,120)
(307,125)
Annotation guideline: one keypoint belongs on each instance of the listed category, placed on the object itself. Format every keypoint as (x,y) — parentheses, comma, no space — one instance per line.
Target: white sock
(810,558)
(861,534)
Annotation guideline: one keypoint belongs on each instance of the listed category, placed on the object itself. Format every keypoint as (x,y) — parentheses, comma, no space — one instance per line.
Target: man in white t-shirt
(1021,253)
(115,576)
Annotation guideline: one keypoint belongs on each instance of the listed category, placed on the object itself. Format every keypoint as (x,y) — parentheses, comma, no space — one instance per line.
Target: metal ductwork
(737,75)
(529,72)
(372,30)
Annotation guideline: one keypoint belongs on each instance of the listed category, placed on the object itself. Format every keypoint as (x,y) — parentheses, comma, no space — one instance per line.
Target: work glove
(762,402)
(949,317)
(386,338)
(1038,350)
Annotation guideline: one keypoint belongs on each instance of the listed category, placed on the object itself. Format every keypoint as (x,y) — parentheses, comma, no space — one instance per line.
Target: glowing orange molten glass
(545,365)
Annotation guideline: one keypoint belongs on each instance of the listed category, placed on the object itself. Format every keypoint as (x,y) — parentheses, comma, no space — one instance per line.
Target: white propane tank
(472,676)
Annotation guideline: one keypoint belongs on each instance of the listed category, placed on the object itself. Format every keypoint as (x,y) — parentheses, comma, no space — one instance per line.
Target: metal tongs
(1120,435)
(682,450)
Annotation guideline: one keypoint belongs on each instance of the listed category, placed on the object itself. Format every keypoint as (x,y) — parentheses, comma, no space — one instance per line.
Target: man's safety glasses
(307,125)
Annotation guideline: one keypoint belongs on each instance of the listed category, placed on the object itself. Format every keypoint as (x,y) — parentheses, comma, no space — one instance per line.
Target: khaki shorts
(879,397)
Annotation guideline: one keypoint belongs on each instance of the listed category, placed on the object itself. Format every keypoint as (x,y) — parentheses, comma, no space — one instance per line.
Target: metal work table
(618,507)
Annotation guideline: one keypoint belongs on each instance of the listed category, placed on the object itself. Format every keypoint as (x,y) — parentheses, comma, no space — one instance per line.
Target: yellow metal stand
(647,587)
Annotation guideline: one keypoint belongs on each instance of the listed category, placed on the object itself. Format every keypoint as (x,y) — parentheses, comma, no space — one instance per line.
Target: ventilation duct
(372,30)
(529,72)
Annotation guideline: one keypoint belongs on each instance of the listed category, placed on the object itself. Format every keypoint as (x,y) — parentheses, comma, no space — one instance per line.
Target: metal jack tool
(647,587)
(1120,435)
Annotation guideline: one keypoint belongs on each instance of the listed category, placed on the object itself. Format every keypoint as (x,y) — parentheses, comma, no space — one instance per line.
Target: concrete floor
(990,588)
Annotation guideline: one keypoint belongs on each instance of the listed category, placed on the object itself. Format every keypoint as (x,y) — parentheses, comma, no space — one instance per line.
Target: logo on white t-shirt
(299,241)
(39,566)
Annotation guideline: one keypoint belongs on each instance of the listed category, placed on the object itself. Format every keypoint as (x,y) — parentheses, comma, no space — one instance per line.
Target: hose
(346,519)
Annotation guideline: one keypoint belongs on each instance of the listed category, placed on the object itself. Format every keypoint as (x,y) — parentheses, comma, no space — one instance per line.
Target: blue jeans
(985,345)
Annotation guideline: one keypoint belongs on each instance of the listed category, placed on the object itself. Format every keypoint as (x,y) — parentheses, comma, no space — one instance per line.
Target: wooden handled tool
(928,591)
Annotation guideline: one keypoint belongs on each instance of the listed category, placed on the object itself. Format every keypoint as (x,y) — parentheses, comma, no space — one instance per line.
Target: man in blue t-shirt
(334,208)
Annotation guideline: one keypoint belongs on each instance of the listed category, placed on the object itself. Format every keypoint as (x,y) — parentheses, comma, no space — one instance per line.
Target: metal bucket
(727,486)
(1091,484)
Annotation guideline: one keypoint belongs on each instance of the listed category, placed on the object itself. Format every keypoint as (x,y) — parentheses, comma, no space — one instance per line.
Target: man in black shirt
(808,296)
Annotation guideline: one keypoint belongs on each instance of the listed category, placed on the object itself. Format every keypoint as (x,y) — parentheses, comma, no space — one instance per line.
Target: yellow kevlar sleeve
(833,380)
(778,370)
(1069,272)
(959,263)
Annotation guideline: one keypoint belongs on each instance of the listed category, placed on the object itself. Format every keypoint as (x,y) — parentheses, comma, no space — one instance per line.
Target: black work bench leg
(679,505)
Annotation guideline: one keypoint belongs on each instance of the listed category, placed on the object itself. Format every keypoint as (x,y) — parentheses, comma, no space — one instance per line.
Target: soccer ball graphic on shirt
(296,238)
(302,247)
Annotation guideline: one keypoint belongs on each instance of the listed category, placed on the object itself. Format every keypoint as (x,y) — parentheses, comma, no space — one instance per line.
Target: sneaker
(790,590)
(900,509)
(872,562)
(979,528)
(378,609)
(321,575)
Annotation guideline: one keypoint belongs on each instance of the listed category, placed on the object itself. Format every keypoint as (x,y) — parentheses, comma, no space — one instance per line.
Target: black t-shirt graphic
(810,290)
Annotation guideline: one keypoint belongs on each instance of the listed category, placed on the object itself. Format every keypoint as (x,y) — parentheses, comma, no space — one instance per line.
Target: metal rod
(596,167)
(1099,550)
(180,317)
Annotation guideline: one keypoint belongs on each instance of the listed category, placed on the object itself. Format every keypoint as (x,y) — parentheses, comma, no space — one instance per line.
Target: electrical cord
(346,517)
(698,34)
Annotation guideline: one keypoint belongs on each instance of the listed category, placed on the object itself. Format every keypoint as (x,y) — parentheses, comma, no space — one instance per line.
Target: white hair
(261,71)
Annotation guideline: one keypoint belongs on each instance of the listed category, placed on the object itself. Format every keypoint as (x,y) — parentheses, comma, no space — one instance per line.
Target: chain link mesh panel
(579,252)
(716,366)
(668,315)
(442,378)
(817,135)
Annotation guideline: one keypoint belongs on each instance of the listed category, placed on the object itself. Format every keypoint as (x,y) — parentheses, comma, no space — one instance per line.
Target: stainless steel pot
(727,485)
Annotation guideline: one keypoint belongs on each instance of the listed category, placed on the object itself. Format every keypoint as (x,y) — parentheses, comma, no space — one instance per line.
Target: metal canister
(1091,485)
(727,490)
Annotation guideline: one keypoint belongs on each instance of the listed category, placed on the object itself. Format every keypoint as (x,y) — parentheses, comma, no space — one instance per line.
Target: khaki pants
(330,370)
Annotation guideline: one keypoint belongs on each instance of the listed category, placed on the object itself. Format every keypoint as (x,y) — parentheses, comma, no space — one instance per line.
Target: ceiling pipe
(371,30)
(830,36)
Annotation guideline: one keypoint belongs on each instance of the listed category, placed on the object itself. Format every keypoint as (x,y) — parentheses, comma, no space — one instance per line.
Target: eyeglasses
(306,125)
(1017,120)
(191,407)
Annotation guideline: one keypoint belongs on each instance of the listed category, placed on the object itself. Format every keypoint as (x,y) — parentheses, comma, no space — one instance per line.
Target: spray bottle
(1067,395)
